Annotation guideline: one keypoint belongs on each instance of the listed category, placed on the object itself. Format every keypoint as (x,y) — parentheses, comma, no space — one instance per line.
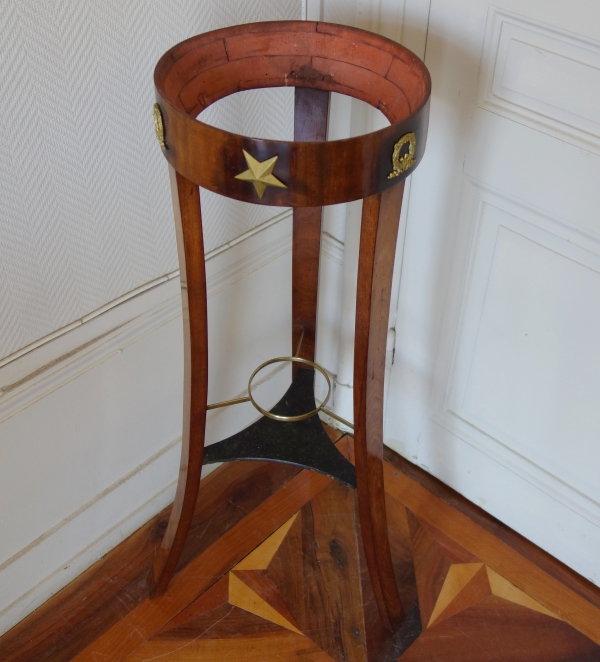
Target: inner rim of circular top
(272,116)
(196,73)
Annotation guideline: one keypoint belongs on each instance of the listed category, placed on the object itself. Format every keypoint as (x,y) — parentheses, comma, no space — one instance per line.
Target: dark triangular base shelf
(301,443)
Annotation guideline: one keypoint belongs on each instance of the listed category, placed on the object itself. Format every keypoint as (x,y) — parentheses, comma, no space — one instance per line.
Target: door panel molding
(541,75)
(503,240)
(474,369)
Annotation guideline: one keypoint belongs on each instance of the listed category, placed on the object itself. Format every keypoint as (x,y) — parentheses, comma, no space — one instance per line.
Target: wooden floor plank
(502,558)
(116,584)
(402,554)
(317,572)
(333,598)
(213,598)
(495,630)
(225,621)
(282,646)
(484,520)
(141,623)
(486,597)
(383,646)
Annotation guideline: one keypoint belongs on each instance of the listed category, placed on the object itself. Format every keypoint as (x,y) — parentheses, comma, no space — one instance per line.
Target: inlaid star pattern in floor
(304,594)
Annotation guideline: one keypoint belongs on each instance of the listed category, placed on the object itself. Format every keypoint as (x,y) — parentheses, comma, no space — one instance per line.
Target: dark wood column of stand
(311,110)
(378,234)
(188,225)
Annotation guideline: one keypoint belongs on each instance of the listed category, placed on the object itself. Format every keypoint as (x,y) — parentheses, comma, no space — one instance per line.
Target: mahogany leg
(190,246)
(379,231)
(310,124)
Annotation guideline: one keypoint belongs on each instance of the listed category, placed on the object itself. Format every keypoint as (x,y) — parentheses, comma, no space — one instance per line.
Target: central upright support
(311,111)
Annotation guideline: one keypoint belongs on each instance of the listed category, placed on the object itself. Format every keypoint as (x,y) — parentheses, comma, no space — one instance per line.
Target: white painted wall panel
(85,208)
(525,369)
(540,320)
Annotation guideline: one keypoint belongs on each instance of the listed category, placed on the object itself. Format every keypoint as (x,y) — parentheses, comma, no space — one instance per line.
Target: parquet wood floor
(274,570)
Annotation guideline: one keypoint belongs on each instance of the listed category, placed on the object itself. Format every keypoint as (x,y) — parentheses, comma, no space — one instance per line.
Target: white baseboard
(46,565)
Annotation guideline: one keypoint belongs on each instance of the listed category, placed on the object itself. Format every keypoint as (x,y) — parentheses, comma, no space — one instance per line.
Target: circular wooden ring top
(195,73)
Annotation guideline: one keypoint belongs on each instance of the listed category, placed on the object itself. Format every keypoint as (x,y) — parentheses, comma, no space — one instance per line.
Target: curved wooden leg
(379,231)
(188,224)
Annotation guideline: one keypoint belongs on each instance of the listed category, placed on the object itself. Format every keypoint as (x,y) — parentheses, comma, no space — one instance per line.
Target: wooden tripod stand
(315,58)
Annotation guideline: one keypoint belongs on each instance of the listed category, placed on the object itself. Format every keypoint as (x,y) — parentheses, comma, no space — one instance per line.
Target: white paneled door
(495,386)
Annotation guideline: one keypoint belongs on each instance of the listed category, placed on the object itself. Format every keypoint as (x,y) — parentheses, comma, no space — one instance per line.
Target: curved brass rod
(226,403)
(292,359)
(337,418)
(277,417)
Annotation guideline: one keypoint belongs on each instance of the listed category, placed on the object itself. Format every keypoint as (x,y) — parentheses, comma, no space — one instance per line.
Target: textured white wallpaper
(85,206)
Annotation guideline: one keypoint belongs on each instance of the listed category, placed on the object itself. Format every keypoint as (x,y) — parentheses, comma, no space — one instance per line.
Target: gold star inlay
(260,173)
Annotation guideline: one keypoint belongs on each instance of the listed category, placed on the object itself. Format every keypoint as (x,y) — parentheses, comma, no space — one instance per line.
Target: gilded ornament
(260,173)
(159,126)
(404,162)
